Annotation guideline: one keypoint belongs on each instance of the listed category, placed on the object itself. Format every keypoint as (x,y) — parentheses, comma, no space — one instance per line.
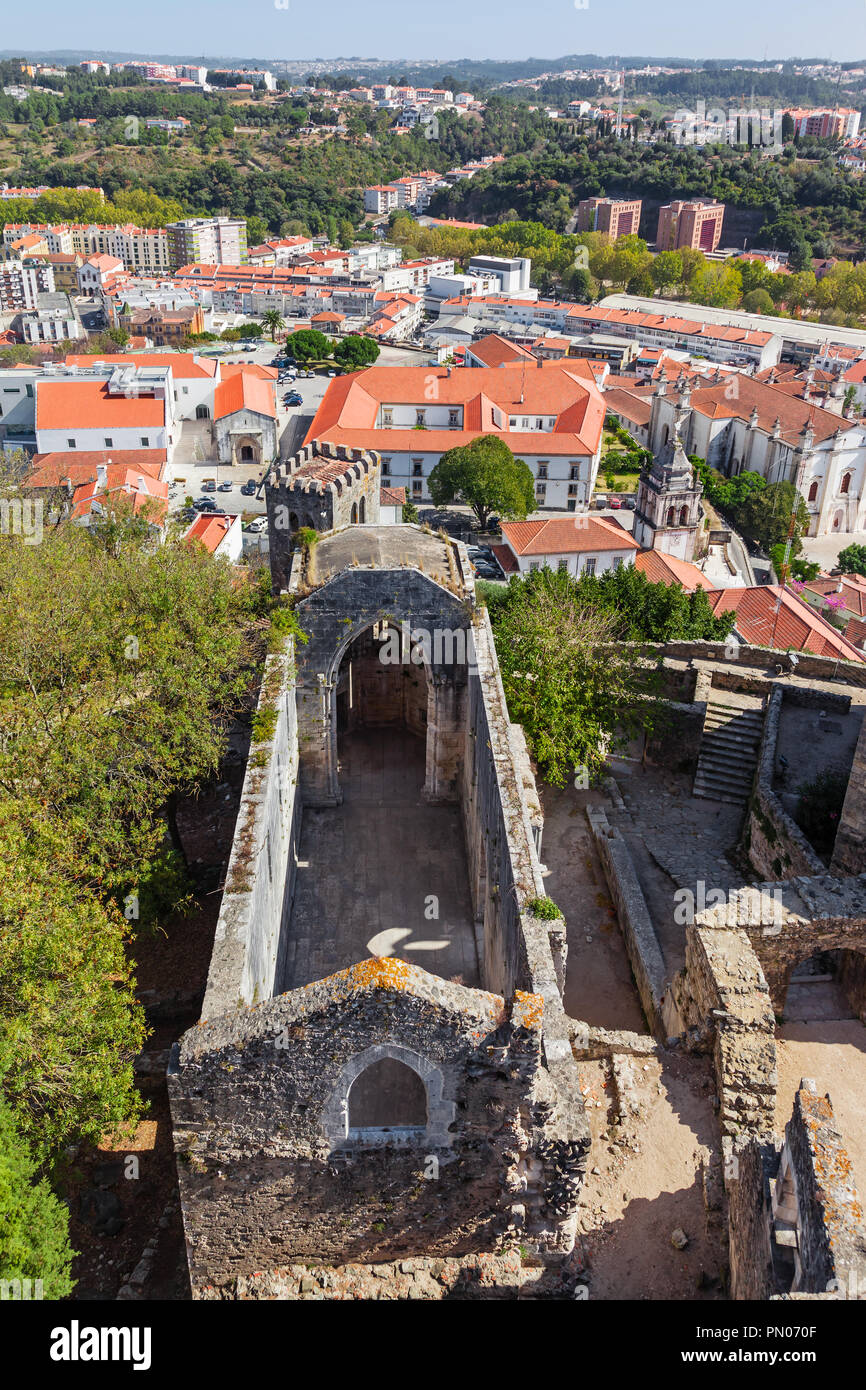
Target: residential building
(209,240)
(221,535)
(52,319)
(615,216)
(22,282)
(580,545)
(551,415)
(120,408)
(96,272)
(697,225)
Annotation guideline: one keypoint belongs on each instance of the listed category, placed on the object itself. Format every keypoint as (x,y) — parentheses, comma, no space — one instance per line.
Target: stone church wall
(260,877)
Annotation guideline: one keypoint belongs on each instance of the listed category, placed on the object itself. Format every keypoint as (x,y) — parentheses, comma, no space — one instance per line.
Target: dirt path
(599,988)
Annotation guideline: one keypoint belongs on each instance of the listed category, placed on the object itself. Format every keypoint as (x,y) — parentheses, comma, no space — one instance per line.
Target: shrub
(545,908)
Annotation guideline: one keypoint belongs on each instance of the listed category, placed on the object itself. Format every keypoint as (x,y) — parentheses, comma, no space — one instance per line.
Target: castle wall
(260,877)
(849,851)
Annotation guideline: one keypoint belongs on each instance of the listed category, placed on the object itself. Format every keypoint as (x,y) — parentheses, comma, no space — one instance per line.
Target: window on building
(572,489)
(453,417)
(535,564)
(420,417)
(386,468)
(846,482)
(109,442)
(387,418)
(539,424)
(416,489)
(563,564)
(512,424)
(417,468)
(70,443)
(542,470)
(589,564)
(617,562)
(575,472)
(145,441)
(541,489)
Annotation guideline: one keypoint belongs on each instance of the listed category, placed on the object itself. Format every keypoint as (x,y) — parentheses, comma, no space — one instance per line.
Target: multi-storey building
(551,415)
(21,283)
(697,225)
(615,216)
(210,240)
(143,250)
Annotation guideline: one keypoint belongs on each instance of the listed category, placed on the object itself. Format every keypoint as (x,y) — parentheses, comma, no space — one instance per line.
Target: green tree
(758,302)
(852,560)
(486,476)
(309,345)
(666,271)
(273,321)
(765,515)
(567,680)
(356,350)
(34,1225)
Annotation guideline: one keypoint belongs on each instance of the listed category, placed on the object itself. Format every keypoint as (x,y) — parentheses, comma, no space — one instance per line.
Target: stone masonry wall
(268,1173)
(260,877)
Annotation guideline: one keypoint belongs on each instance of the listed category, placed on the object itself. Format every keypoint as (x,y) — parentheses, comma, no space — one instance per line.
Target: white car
(260,524)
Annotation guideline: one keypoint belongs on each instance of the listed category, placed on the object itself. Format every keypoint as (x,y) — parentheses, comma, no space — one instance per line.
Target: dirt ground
(833,1055)
(645,1183)
(599,988)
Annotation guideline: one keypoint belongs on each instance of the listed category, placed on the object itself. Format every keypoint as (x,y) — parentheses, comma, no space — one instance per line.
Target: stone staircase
(729,748)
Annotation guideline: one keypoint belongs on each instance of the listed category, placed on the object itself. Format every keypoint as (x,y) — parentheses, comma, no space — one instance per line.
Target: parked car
(629,504)
(293,398)
(208,485)
(249,488)
(225,487)
(260,524)
(487,571)
(205,504)
(615,504)
(309,375)
(600,500)
(332,373)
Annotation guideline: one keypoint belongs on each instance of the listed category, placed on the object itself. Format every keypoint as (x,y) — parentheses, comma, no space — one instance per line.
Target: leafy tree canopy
(486,476)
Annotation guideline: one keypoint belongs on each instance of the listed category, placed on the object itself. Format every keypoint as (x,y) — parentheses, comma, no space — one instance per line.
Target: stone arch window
(671,516)
(813,491)
(684,516)
(354,513)
(376,1104)
(845,483)
(362,510)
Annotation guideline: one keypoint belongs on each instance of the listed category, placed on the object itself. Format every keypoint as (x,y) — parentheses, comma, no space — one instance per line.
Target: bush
(34,1223)
(545,908)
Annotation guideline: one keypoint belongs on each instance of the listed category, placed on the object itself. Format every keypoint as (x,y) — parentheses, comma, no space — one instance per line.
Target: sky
(443,29)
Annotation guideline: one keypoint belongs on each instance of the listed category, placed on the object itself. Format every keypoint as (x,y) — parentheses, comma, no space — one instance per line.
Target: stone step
(707,783)
(737,726)
(711,794)
(735,742)
(726,756)
(724,772)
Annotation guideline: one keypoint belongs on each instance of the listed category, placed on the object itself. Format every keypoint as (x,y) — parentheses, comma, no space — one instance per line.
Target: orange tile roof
(82,405)
(494,349)
(795,626)
(566,535)
(209,531)
(392,496)
(80,465)
(662,568)
(228,369)
(853,590)
(244,391)
(489,395)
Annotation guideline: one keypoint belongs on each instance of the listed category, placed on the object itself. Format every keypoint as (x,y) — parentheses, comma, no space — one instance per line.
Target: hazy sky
(442,29)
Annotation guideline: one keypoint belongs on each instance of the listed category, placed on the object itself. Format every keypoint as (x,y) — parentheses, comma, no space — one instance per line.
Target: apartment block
(614,216)
(697,225)
(208,240)
(21,283)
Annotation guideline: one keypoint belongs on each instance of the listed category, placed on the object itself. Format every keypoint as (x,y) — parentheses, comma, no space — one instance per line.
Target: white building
(580,544)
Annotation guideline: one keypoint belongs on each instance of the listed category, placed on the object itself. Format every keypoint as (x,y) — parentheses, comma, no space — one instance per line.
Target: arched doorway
(247,453)
(202,412)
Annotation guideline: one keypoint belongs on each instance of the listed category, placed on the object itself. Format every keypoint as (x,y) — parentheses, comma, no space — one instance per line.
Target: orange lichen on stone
(387,972)
(527,1010)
